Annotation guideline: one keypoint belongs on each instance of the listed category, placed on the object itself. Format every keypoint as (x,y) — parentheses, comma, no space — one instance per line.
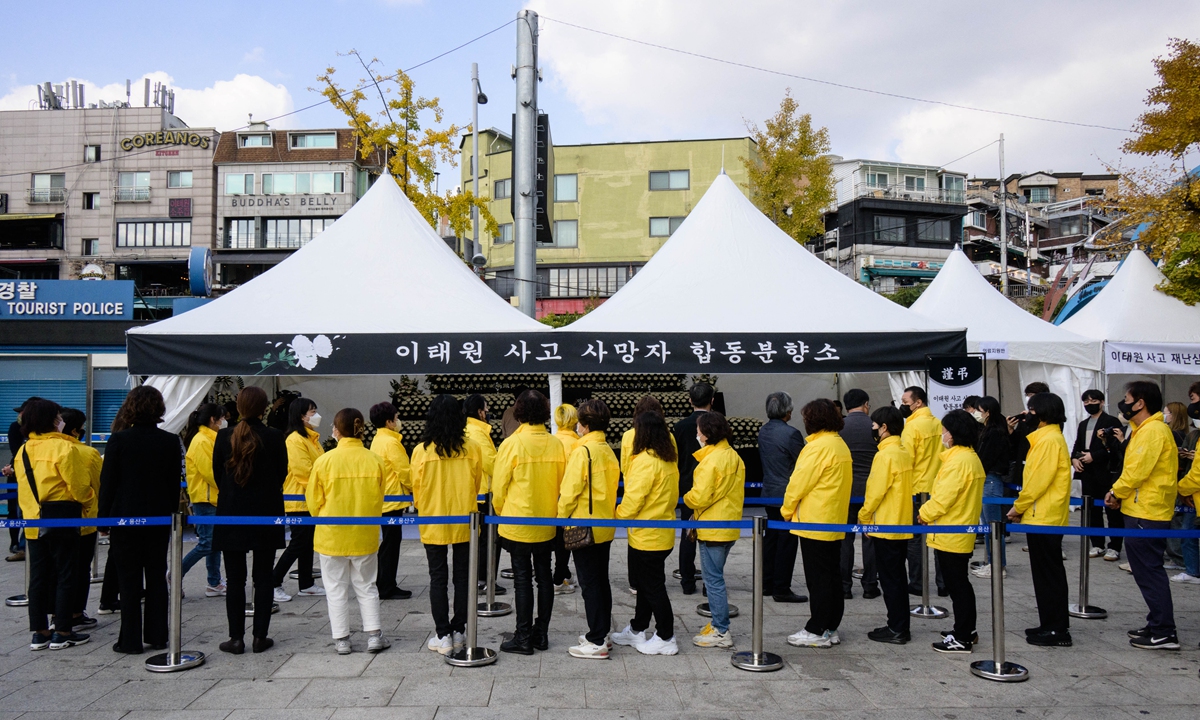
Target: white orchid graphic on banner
(300,352)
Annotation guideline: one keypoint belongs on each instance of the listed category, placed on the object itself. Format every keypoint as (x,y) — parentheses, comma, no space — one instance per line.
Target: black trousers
(648,573)
(592,565)
(142,566)
(779,557)
(235,590)
(562,558)
(389,555)
(300,551)
(962,595)
(687,554)
(1146,561)
(1049,581)
(530,562)
(822,569)
(889,561)
(1096,488)
(85,550)
(870,580)
(51,577)
(439,591)
(110,589)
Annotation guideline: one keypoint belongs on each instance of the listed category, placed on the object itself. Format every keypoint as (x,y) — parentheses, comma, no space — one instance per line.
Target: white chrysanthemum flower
(322,346)
(306,353)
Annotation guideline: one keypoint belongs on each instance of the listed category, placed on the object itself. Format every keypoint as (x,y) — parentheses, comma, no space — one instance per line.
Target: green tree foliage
(906,296)
(791,180)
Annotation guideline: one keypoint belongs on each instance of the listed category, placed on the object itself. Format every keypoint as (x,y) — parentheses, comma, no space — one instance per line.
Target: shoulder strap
(589,454)
(29,474)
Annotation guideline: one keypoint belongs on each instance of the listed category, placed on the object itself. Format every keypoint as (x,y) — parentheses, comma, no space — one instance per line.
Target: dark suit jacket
(1102,460)
(860,439)
(779,444)
(685,439)
(261,495)
(142,472)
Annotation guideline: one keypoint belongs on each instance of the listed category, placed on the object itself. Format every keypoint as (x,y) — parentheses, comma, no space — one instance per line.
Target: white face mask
(700,440)
(978,415)
(314,421)
(579,430)
(59,425)
(223,424)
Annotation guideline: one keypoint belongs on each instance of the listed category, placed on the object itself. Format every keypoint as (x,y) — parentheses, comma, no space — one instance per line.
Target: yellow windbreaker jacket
(446,486)
(529,469)
(819,489)
(1147,486)
(569,439)
(481,433)
(346,482)
(922,437)
(627,449)
(58,472)
(90,458)
(651,493)
(718,490)
(302,453)
(888,497)
(201,485)
(388,444)
(956,498)
(1045,497)
(605,473)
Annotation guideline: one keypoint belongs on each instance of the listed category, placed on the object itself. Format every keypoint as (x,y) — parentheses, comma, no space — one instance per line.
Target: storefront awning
(30,216)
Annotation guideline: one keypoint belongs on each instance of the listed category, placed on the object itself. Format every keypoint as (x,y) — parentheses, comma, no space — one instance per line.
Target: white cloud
(225,105)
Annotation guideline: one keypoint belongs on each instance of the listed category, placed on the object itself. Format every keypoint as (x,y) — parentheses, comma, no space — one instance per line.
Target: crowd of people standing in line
(890,466)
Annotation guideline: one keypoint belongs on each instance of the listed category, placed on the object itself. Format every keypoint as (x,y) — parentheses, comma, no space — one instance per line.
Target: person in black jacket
(859,438)
(250,464)
(701,396)
(1093,460)
(16,438)
(141,476)
(996,454)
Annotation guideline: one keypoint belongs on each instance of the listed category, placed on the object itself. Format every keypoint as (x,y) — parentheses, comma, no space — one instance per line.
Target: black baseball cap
(25,404)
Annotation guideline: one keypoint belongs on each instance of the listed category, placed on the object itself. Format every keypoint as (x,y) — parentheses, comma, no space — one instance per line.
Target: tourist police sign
(951,378)
(66,299)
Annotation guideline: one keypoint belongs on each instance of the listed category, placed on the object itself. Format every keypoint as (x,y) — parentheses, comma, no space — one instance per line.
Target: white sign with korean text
(994,349)
(951,379)
(1125,358)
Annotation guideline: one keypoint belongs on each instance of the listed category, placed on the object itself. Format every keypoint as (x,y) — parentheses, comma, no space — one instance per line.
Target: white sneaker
(657,646)
(1112,555)
(584,641)
(214,590)
(281,596)
(985,571)
(1124,566)
(343,646)
(1095,552)
(314,591)
(1025,548)
(833,637)
(377,643)
(457,640)
(629,637)
(1172,565)
(1183,577)
(566,587)
(709,637)
(588,651)
(633,591)
(804,638)
(443,645)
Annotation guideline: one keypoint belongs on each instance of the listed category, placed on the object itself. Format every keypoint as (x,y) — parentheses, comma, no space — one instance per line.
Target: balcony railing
(47,195)
(900,191)
(131,194)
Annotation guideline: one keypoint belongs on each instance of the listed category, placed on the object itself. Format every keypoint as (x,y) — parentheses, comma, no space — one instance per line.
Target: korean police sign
(66,299)
(950,379)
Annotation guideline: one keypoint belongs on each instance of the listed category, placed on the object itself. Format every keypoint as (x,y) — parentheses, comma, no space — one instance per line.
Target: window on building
(506,234)
(133,179)
(566,233)
(256,140)
(240,235)
(913,183)
(91,200)
(179,179)
(664,226)
(314,140)
(953,186)
(502,189)
(1038,194)
(91,153)
(933,230)
(1095,192)
(239,184)
(328,182)
(91,246)
(586,281)
(877,179)
(566,188)
(48,187)
(670,180)
(975,218)
(133,187)
(889,230)
(154,234)
(293,232)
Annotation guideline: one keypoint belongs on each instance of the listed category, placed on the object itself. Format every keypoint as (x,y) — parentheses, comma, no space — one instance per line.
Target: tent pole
(556,398)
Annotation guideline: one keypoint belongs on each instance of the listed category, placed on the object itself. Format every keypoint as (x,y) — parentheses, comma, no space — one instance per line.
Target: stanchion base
(1087,612)
(187,660)
(507,573)
(764,662)
(471,657)
(496,609)
(1006,672)
(929,612)
(96,579)
(250,609)
(17,601)
(295,574)
(703,611)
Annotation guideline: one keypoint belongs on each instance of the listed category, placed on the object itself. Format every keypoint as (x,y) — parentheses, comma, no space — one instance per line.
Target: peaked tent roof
(379,269)
(1131,308)
(959,295)
(729,269)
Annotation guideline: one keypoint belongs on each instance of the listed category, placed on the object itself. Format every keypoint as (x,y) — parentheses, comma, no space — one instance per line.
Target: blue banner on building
(66,299)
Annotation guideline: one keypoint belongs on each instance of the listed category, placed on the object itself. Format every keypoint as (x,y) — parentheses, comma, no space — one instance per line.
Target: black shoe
(847,594)
(1149,642)
(482,589)
(791,597)
(974,636)
(519,646)
(1139,633)
(689,589)
(83,621)
(871,593)
(678,574)
(952,646)
(126,651)
(541,640)
(396,594)
(1050,638)
(943,592)
(260,644)
(157,646)
(914,590)
(887,635)
(233,647)
(59,641)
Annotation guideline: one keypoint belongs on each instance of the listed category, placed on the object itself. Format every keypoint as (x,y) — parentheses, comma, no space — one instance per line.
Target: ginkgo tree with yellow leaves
(412,151)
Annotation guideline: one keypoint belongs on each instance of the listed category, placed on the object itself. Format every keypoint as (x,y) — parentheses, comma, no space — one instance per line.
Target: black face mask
(875,435)
(1094,408)
(905,411)
(1126,409)
(1194,411)
(1031,419)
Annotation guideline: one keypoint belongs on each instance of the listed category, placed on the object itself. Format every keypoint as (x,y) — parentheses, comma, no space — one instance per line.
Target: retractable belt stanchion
(1082,609)
(175,659)
(925,610)
(996,668)
(756,660)
(96,576)
(23,599)
(491,608)
(470,655)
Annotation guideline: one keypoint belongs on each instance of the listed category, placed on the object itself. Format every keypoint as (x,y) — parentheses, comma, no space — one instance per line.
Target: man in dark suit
(779,444)
(1092,460)
(701,396)
(860,438)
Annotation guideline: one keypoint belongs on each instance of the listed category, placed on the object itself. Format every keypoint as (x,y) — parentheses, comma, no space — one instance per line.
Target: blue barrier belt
(86,522)
(300,520)
(896,529)
(8,496)
(8,486)
(386,498)
(616,523)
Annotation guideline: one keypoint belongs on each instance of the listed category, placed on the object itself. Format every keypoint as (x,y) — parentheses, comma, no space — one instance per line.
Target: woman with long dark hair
(198,438)
(250,464)
(446,473)
(651,493)
(303,449)
(996,454)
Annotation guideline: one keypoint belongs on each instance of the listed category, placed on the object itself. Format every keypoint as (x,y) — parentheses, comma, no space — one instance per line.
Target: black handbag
(52,509)
(575,538)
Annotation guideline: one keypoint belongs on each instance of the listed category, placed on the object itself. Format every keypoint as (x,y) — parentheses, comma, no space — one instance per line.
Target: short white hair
(779,405)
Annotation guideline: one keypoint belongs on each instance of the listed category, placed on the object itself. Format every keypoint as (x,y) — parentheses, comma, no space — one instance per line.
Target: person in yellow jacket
(389,445)
(648,403)
(447,471)
(887,500)
(566,417)
(956,498)
(529,469)
(198,438)
(59,476)
(74,422)
(348,481)
(589,490)
(651,493)
(1045,499)
(922,438)
(718,493)
(479,430)
(303,448)
(1146,492)
(819,492)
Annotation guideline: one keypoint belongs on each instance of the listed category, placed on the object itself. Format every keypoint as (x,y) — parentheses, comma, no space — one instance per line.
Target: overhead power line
(832,83)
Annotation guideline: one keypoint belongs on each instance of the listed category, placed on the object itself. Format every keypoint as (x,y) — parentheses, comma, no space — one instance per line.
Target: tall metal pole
(470,252)
(998,669)
(757,660)
(525,164)
(1003,223)
(176,658)
(470,655)
(1082,609)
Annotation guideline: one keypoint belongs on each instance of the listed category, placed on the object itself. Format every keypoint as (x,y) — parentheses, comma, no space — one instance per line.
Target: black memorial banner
(549,352)
(951,379)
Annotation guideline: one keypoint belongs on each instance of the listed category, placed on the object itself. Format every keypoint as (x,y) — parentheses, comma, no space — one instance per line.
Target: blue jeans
(203,549)
(993,487)
(712,567)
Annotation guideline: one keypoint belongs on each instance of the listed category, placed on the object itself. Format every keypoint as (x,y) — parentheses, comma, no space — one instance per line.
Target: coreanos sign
(166,137)
(66,300)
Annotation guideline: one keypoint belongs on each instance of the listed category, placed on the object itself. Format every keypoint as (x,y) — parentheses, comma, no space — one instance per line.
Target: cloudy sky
(1086,63)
